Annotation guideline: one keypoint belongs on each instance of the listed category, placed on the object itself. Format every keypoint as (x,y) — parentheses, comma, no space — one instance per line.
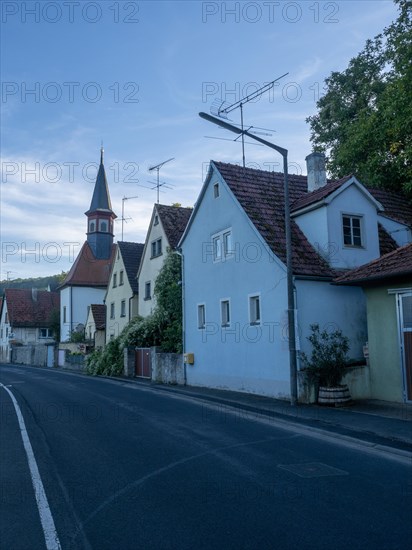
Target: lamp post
(289,269)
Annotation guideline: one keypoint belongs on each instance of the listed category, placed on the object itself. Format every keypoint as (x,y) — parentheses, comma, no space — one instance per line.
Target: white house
(87,280)
(234,270)
(26,318)
(95,329)
(122,296)
(165,230)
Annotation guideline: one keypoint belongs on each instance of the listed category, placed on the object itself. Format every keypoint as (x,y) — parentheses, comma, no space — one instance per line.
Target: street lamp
(289,269)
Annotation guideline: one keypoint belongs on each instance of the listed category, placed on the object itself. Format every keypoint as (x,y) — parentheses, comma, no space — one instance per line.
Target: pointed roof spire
(101,197)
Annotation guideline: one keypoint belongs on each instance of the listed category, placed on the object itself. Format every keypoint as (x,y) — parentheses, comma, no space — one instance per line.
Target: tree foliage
(364,120)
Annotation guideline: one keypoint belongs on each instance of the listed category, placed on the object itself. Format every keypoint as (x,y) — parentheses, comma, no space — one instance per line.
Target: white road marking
(46,518)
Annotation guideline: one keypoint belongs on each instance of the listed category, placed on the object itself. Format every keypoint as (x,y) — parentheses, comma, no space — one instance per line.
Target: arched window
(92,227)
(103,226)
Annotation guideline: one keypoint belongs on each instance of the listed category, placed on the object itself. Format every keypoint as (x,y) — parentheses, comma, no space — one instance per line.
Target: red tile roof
(174,220)
(99,315)
(395,265)
(317,195)
(397,206)
(87,271)
(31,309)
(386,242)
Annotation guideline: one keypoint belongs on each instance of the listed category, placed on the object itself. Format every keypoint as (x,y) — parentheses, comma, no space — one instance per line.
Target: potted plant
(326,365)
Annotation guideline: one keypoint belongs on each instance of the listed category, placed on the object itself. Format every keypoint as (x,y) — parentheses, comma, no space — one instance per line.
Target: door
(50,356)
(143,367)
(405,325)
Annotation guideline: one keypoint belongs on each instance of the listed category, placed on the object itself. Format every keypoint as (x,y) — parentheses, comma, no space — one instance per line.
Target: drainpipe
(179,251)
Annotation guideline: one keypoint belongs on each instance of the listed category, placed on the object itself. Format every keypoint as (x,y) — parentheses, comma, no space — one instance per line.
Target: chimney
(315,163)
(34,294)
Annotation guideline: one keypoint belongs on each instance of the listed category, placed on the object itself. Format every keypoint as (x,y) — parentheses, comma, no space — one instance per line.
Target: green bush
(108,362)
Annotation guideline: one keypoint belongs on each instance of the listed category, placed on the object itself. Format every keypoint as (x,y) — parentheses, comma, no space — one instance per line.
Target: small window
(1,334)
(92,227)
(216,190)
(6,318)
(156,220)
(147,290)
(121,278)
(114,280)
(254,310)
(64,314)
(123,308)
(201,316)
(352,234)
(7,331)
(225,313)
(103,226)
(156,248)
(112,310)
(227,243)
(46,333)
(112,336)
(217,248)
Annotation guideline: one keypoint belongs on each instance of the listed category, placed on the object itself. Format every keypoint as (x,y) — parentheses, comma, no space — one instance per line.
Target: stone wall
(30,354)
(168,368)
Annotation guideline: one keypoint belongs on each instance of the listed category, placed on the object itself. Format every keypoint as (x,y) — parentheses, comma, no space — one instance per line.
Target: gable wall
(242,357)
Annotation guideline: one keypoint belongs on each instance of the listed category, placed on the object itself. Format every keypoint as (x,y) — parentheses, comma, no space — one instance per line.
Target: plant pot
(338,396)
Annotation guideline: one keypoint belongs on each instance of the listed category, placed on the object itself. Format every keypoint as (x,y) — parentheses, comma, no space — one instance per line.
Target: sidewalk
(375,422)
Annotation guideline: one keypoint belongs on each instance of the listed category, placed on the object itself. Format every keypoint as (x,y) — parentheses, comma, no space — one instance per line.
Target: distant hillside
(38,282)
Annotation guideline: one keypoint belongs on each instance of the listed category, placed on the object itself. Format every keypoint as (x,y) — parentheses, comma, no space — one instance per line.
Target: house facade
(165,230)
(26,319)
(387,283)
(87,280)
(95,329)
(122,296)
(235,308)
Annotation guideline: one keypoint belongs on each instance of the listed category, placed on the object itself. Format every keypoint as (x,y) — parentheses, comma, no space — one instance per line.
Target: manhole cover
(312,469)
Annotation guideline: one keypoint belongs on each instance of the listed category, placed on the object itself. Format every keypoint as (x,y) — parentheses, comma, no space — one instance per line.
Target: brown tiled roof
(99,315)
(27,309)
(174,220)
(386,242)
(397,206)
(260,194)
(318,194)
(132,255)
(396,264)
(87,271)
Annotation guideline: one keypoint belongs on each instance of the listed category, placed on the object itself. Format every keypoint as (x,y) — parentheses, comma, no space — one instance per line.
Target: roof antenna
(123,219)
(158,185)
(221,109)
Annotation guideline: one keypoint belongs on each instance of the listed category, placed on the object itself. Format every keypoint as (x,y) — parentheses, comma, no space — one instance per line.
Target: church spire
(100,216)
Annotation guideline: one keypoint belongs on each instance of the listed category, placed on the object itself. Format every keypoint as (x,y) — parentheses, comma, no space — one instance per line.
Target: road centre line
(46,518)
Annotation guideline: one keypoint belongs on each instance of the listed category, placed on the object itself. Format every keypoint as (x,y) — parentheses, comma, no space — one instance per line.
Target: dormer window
(92,227)
(216,190)
(103,226)
(352,230)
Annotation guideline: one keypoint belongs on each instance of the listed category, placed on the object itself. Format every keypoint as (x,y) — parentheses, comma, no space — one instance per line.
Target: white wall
(77,301)
(242,357)
(398,231)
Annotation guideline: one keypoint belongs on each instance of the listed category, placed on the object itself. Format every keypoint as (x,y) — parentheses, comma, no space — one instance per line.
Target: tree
(364,120)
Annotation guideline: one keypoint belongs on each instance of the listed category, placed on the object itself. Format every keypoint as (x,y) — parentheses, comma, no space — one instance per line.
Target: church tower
(100,217)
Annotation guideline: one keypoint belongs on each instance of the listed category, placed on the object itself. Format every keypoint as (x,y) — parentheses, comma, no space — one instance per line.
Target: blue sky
(135,75)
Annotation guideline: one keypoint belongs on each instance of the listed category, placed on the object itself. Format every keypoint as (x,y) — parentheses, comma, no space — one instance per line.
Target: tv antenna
(221,109)
(123,219)
(159,184)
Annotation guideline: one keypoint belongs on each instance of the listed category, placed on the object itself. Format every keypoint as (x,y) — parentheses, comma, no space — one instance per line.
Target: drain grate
(312,469)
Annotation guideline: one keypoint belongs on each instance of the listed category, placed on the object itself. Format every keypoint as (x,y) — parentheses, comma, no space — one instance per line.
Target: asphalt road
(127,466)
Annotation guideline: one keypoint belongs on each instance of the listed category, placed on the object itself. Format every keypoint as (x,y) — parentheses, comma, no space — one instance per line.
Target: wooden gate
(143,365)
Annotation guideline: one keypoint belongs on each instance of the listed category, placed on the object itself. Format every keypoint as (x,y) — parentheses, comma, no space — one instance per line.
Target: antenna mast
(223,110)
(123,218)
(157,168)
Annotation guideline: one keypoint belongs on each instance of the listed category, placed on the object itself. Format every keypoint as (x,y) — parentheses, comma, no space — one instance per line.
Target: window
(7,331)
(201,316)
(225,313)
(254,310)
(112,310)
(222,245)
(217,248)
(352,235)
(147,290)
(6,318)
(64,314)
(92,227)
(123,308)
(216,190)
(121,278)
(114,280)
(156,220)
(103,226)
(156,248)
(46,333)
